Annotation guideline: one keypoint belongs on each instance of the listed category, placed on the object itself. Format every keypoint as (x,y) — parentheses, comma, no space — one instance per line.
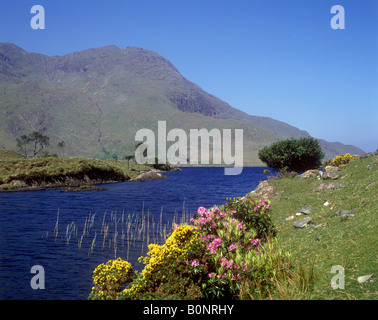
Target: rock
(289,218)
(371,166)
(363,279)
(311,173)
(306,210)
(150,175)
(302,223)
(347,213)
(298,214)
(331,175)
(331,169)
(330,186)
(265,190)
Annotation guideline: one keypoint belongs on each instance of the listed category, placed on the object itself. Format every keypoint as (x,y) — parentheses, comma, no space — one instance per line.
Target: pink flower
(239,225)
(232,247)
(195,263)
(201,211)
(226,263)
(211,275)
(202,220)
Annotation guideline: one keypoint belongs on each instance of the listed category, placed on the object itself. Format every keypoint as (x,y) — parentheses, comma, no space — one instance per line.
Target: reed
(120,233)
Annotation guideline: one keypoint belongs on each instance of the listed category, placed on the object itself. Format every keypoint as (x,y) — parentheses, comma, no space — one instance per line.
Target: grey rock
(306,210)
(151,175)
(331,175)
(302,223)
(331,169)
(330,186)
(371,166)
(346,213)
(311,173)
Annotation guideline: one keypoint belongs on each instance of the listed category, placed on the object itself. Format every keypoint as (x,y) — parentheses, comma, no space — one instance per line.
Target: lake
(70,233)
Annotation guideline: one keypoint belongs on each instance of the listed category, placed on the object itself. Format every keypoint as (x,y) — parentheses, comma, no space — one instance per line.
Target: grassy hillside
(96,100)
(19,173)
(332,240)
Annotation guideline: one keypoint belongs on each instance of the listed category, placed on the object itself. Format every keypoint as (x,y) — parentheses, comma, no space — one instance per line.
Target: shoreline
(71,184)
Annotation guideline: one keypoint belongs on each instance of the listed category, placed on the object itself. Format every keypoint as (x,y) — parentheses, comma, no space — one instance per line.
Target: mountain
(96,100)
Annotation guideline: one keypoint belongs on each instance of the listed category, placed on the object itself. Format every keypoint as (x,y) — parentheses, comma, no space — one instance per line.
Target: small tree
(293,154)
(128,158)
(37,140)
(22,143)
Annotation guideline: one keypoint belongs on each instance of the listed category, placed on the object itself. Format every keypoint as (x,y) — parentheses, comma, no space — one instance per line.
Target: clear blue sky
(277,58)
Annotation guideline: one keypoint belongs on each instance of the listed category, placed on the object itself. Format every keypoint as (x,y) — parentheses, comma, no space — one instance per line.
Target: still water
(70,233)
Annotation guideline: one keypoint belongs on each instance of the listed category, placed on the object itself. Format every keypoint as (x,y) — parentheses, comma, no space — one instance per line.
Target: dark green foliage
(293,154)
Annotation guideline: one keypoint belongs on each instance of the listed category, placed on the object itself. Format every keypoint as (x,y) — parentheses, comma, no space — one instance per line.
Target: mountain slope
(96,100)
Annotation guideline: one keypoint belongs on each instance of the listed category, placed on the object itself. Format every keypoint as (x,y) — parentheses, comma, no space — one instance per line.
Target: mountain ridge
(96,99)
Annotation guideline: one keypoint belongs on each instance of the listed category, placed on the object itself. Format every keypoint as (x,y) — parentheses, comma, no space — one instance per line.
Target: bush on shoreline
(293,154)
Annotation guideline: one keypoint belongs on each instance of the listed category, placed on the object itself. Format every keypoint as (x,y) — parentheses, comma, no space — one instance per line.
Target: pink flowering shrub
(254,213)
(235,251)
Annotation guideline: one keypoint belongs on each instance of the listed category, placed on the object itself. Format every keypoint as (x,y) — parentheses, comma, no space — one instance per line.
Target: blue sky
(275,58)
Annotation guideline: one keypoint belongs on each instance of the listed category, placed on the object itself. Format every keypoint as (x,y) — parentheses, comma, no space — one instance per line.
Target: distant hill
(96,100)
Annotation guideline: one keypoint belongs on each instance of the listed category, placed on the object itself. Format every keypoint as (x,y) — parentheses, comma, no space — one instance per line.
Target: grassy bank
(20,173)
(331,240)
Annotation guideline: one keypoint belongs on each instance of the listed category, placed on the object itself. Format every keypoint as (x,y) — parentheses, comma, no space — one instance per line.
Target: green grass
(351,243)
(16,170)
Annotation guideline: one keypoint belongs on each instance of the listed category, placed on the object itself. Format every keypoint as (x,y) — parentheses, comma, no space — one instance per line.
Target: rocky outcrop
(330,186)
(265,190)
(150,175)
(311,173)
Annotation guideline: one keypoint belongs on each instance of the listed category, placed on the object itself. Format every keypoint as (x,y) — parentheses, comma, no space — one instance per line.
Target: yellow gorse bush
(342,160)
(159,257)
(110,278)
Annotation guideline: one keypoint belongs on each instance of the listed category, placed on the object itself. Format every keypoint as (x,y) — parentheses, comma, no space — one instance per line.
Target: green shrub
(295,154)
